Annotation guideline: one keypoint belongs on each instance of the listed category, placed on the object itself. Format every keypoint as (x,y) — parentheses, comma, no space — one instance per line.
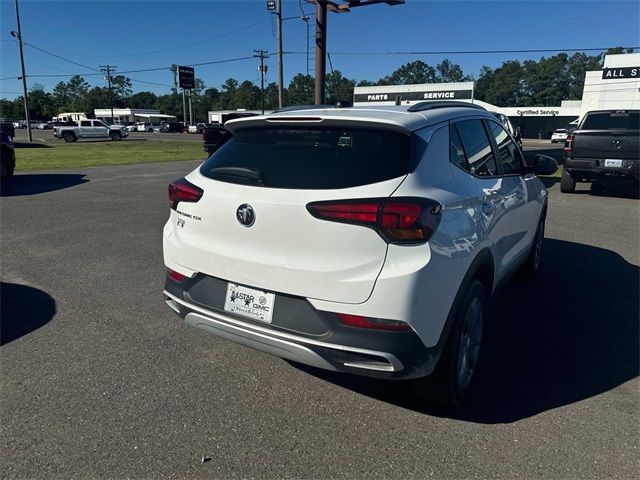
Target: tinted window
(510,156)
(611,120)
(477,147)
(310,158)
(456,152)
(85,123)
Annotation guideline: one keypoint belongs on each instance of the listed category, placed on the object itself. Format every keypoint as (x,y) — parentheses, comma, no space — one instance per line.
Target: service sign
(414,96)
(626,72)
(186,77)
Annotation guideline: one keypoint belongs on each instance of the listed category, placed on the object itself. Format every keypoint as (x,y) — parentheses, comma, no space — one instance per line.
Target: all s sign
(626,72)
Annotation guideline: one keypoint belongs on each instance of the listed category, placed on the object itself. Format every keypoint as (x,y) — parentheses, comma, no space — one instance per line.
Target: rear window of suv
(310,157)
(611,121)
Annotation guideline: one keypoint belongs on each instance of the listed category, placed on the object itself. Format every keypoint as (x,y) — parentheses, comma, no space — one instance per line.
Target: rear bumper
(309,336)
(592,168)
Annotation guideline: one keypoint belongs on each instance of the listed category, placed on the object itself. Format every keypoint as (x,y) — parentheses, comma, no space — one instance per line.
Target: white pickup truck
(90,129)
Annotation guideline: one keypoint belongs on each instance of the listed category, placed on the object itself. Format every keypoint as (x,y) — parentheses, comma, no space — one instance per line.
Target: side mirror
(544,165)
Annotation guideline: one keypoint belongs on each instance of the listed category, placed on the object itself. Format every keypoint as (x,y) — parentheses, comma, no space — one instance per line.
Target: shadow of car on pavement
(23,309)
(35,183)
(571,334)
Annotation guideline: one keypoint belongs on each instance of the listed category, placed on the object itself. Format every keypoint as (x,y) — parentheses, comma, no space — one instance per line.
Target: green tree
(506,88)
(77,89)
(577,67)
(143,100)
(121,88)
(301,90)
(547,82)
(271,96)
(450,72)
(338,88)
(248,96)
(411,73)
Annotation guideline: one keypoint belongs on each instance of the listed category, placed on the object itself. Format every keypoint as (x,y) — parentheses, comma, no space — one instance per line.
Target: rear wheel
(7,163)
(115,136)
(451,381)
(532,264)
(69,137)
(567,183)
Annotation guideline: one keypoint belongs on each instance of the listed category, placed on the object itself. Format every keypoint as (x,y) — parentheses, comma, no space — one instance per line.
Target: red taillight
(183,191)
(177,276)
(373,323)
(568,146)
(397,220)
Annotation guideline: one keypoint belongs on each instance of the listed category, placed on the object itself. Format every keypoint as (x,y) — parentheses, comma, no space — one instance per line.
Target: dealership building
(616,86)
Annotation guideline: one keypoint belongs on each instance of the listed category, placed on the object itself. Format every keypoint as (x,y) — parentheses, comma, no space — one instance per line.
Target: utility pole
(24,76)
(184,109)
(263,69)
(174,69)
(321,34)
(109,69)
(280,86)
(321,50)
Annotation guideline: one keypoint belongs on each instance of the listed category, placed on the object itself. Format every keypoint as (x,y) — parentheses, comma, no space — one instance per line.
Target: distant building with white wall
(616,86)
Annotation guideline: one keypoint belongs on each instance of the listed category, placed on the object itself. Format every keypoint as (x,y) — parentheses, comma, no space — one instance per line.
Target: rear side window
(85,123)
(456,151)
(510,157)
(477,147)
(612,121)
(310,158)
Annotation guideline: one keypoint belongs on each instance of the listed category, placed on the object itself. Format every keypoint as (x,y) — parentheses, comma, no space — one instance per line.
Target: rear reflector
(177,276)
(183,191)
(397,220)
(373,323)
(568,146)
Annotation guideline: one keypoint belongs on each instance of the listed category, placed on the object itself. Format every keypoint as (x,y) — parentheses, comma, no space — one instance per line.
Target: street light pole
(24,76)
(321,50)
(280,86)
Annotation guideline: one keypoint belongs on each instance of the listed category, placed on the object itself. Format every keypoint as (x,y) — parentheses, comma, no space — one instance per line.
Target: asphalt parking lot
(101,379)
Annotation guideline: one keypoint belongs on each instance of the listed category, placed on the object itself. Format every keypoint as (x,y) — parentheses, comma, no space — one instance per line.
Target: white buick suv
(359,240)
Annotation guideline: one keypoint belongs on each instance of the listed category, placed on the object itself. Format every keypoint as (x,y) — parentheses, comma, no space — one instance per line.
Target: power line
(178,47)
(471,52)
(61,58)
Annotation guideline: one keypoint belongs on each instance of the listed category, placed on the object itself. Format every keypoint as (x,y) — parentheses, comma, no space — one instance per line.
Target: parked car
(514,132)
(7,151)
(605,144)
(559,135)
(90,129)
(44,126)
(174,127)
(198,128)
(359,240)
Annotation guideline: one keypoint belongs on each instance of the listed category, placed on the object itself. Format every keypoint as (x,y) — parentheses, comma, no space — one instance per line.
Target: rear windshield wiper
(248,176)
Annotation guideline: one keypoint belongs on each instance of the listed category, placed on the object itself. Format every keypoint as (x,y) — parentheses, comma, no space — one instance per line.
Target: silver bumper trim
(281,344)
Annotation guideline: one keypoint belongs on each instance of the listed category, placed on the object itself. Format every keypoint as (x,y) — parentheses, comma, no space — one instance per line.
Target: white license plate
(615,163)
(249,302)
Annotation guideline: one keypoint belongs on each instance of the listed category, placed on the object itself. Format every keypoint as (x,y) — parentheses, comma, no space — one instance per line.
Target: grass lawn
(93,154)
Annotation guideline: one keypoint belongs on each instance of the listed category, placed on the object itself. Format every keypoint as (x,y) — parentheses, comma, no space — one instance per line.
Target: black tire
(445,386)
(7,163)
(150,130)
(115,136)
(567,183)
(69,137)
(531,266)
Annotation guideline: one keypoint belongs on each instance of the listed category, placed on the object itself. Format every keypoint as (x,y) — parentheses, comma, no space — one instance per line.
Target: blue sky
(143,34)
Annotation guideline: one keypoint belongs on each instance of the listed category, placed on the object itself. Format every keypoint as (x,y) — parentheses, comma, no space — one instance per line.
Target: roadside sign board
(186,77)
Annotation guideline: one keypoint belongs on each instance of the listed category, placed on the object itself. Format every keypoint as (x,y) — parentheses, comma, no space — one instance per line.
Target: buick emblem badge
(245,215)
